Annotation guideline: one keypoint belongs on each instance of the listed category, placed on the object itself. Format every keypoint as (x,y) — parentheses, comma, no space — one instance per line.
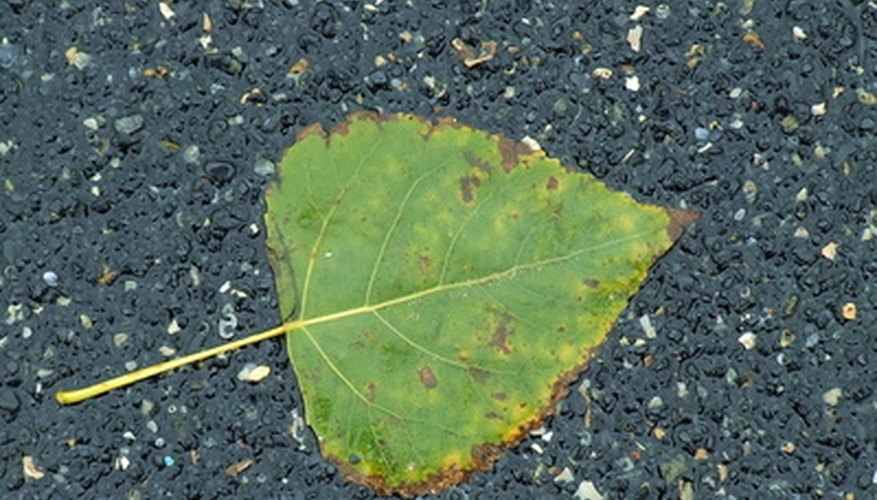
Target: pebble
(191,154)
(587,491)
(748,340)
(229,321)
(565,476)
(263,167)
(701,133)
(253,373)
(9,401)
(128,124)
(220,171)
(832,396)
(50,278)
(9,54)
(646,324)
(30,468)
(91,124)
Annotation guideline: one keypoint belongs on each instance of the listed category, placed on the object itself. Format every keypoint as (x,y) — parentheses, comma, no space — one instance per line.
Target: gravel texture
(135,145)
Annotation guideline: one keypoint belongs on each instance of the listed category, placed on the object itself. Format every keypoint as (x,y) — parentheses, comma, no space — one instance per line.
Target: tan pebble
(604,73)
(166,11)
(829,251)
(238,467)
(30,468)
(848,311)
(832,396)
(639,12)
(635,37)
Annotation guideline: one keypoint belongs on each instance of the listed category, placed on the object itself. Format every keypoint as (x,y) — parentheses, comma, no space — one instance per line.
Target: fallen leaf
(425,266)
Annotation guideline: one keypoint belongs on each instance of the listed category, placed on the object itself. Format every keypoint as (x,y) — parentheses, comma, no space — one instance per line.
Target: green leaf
(446,285)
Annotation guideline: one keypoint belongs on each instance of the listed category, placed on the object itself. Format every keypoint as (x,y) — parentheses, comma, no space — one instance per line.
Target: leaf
(443,286)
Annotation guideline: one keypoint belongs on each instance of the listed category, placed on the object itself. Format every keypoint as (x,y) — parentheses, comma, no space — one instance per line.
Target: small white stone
(635,37)
(604,73)
(166,11)
(631,83)
(802,195)
(639,12)
(253,373)
(798,34)
(91,124)
(646,324)
(538,449)
(818,109)
(173,328)
(587,491)
(832,396)
(748,340)
(565,476)
(531,144)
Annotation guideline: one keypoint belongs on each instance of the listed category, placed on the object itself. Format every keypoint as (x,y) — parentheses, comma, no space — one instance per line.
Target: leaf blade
(445,266)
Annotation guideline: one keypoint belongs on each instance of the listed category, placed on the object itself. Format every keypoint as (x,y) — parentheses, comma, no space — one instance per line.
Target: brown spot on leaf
(485,453)
(499,396)
(427,378)
(467,186)
(424,262)
(552,183)
(493,415)
(477,162)
(371,388)
(478,375)
(591,282)
(509,152)
(501,333)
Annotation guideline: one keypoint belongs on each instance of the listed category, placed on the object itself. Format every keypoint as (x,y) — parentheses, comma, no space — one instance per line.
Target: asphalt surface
(745,367)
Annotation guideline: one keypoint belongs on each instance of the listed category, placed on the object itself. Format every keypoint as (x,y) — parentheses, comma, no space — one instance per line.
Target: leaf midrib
(369,309)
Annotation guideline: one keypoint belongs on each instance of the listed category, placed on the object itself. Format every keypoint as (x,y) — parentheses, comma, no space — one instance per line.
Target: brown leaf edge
(485,454)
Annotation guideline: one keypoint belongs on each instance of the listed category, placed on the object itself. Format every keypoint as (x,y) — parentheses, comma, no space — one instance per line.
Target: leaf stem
(79,395)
